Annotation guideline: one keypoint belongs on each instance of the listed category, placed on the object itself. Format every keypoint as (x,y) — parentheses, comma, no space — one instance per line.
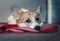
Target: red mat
(5,28)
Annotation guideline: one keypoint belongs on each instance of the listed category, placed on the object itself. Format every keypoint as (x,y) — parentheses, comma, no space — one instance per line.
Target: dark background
(56,11)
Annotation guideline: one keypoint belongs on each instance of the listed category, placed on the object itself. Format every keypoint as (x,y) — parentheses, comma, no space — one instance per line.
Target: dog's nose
(37,27)
(28,20)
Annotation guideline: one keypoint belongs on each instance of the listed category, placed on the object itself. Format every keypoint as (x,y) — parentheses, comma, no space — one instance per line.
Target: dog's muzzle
(37,27)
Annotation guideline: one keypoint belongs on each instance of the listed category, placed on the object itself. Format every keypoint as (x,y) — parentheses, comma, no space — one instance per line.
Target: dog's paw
(41,24)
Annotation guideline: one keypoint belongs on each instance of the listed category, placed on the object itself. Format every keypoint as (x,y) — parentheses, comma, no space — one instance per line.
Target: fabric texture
(13,28)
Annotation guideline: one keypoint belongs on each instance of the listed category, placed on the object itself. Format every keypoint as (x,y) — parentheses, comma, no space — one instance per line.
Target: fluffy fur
(21,15)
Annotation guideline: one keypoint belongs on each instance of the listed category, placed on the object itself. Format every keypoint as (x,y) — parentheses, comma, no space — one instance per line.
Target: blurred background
(49,14)
(53,11)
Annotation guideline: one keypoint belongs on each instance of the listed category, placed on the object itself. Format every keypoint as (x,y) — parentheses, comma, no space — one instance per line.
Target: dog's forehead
(24,10)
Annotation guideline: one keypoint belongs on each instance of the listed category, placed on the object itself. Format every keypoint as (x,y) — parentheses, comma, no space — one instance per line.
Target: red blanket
(5,28)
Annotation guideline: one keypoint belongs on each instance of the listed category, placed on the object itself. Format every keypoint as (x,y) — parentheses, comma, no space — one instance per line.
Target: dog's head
(28,18)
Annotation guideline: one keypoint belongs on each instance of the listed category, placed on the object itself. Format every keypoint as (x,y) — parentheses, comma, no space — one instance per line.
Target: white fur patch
(24,10)
(34,24)
(11,20)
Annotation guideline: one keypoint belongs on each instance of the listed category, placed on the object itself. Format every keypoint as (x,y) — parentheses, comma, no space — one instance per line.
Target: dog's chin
(22,25)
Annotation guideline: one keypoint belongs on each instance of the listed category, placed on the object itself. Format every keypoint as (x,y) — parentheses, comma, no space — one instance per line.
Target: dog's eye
(28,20)
(37,19)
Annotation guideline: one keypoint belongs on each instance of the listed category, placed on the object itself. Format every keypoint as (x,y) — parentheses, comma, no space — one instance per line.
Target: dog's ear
(15,12)
(38,10)
(14,8)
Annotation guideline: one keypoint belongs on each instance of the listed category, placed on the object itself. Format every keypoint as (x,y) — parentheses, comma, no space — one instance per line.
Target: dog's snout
(28,20)
(37,27)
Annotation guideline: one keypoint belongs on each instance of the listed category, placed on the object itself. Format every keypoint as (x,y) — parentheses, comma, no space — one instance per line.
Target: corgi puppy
(25,18)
